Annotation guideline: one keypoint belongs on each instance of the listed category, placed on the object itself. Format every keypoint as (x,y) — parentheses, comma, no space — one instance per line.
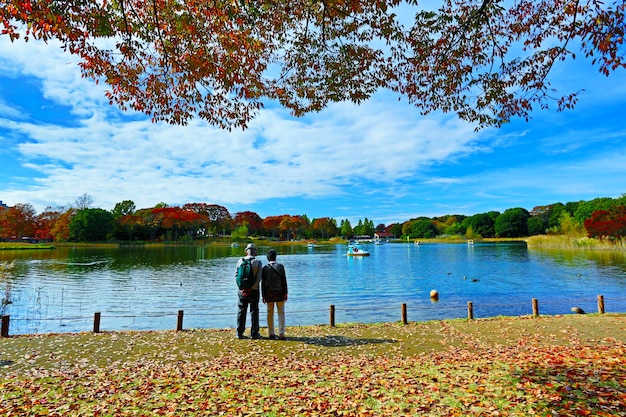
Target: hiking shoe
(281,337)
(257,336)
(272,337)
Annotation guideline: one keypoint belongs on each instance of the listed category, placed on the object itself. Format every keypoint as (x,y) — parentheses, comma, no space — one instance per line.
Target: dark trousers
(253,301)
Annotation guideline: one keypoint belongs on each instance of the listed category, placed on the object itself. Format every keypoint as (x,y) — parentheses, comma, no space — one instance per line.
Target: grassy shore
(24,246)
(574,242)
(564,365)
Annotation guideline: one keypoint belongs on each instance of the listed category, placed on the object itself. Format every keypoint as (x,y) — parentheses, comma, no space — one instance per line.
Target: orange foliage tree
(249,218)
(271,224)
(44,222)
(486,60)
(17,222)
(217,217)
(129,223)
(60,230)
(324,227)
(177,220)
(292,226)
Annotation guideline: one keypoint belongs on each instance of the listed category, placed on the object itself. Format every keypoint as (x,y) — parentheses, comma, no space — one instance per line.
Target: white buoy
(434,294)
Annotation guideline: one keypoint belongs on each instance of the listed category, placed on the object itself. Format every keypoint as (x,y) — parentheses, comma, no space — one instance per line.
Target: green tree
(482,224)
(240,232)
(305,226)
(572,206)
(536,226)
(455,228)
(123,208)
(346,229)
(512,223)
(555,214)
(586,208)
(395,229)
(359,229)
(407,228)
(123,227)
(368,227)
(469,233)
(91,225)
(423,229)
(570,227)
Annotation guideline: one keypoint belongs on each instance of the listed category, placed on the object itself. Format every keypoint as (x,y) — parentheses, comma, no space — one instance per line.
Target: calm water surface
(144,288)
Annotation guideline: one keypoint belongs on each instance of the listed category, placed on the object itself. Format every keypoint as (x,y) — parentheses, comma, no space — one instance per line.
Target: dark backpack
(245,275)
(272,278)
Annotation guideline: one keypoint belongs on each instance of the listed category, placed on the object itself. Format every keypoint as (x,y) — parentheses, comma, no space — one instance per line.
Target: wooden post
(179,324)
(470,310)
(332,315)
(4,331)
(404,316)
(601,304)
(535,308)
(96,322)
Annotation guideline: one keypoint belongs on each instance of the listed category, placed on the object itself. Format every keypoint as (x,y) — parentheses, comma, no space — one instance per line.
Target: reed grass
(24,246)
(574,242)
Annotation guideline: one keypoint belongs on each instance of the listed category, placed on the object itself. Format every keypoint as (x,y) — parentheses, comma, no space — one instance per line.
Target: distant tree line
(598,218)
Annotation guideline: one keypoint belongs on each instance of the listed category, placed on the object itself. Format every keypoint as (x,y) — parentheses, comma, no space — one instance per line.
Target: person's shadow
(338,341)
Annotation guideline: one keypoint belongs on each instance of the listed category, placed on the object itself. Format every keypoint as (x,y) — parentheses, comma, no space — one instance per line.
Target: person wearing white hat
(249,297)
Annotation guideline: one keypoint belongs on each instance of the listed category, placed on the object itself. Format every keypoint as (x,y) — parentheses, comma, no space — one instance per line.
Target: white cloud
(112,158)
(151,163)
(380,158)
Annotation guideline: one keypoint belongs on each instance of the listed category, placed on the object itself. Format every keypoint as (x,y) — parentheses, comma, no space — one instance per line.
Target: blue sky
(60,139)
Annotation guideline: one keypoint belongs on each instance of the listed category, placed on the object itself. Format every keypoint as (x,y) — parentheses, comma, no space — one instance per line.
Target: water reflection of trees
(577,257)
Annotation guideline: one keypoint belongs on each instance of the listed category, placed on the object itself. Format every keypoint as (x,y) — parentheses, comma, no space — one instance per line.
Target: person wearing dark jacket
(274,292)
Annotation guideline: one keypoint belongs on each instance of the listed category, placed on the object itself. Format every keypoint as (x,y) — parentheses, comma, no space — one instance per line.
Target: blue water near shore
(140,288)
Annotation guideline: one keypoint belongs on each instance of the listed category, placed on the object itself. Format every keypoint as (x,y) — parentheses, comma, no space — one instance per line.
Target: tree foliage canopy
(220,60)
(609,223)
(512,223)
(90,225)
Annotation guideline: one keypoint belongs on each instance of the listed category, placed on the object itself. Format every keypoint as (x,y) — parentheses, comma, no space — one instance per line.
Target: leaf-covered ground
(548,366)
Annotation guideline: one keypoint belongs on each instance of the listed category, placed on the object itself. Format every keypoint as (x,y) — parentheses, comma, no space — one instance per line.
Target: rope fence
(404,308)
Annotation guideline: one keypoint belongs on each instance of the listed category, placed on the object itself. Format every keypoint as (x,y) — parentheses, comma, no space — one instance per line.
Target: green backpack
(245,274)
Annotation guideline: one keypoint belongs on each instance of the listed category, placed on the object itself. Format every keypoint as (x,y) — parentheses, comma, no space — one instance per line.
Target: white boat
(310,245)
(234,245)
(356,250)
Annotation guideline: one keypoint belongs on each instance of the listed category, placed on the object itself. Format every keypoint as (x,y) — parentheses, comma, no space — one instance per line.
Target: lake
(143,288)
